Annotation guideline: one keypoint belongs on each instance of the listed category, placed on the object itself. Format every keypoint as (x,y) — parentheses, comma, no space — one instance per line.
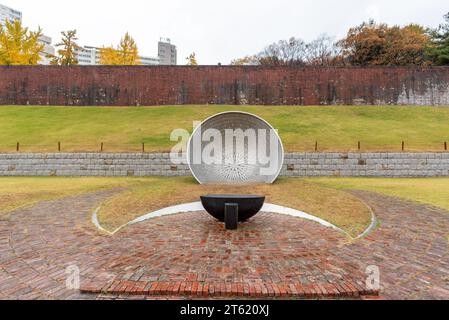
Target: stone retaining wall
(159,164)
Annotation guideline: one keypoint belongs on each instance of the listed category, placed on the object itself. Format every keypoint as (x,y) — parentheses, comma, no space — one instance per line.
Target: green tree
(439,51)
(18,46)
(67,55)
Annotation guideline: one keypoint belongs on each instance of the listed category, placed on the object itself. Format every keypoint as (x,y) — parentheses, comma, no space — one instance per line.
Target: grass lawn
(18,192)
(432,191)
(323,197)
(144,195)
(336,128)
(335,206)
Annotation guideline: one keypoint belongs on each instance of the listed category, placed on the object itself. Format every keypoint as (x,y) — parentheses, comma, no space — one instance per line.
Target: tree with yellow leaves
(126,53)
(67,55)
(18,46)
(109,56)
(245,61)
(191,59)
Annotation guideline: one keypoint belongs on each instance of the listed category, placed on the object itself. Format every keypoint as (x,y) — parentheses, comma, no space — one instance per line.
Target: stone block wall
(90,164)
(159,164)
(367,164)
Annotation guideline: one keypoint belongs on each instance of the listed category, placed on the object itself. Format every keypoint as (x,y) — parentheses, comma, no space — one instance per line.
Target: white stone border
(268,208)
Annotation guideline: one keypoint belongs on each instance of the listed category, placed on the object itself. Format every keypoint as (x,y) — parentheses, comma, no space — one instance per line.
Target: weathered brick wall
(162,85)
(159,164)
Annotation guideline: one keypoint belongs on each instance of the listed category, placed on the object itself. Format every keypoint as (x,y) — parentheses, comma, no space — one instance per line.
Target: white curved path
(197,206)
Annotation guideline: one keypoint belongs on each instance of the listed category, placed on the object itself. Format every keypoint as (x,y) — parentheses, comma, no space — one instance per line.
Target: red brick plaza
(192,256)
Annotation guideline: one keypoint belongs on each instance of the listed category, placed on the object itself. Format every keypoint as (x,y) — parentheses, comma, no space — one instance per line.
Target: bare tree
(284,52)
(322,51)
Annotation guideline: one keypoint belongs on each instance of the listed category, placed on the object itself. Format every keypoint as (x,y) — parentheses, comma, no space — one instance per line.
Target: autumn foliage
(18,45)
(191,59)
(380,44)
(368,44)
(67,55)
(125,54)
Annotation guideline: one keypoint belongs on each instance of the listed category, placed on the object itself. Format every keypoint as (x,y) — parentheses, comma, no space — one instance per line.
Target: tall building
(7,13)
(167,52)
(88,56)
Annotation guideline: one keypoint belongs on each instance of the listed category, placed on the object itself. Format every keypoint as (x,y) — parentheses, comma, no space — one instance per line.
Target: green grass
(432,191)
(125,128)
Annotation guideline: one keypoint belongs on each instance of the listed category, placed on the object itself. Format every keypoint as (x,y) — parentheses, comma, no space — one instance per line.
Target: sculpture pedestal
(232,209)
(231,216)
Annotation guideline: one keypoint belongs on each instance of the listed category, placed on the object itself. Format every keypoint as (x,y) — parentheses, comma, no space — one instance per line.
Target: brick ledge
(345,289)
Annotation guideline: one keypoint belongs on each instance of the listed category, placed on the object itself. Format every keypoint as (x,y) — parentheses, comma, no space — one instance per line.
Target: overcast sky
(217,31)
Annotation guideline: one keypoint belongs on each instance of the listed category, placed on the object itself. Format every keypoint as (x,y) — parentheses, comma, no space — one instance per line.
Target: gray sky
(217,31)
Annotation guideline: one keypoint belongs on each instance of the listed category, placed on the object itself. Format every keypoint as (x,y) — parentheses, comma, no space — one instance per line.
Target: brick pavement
(192,256)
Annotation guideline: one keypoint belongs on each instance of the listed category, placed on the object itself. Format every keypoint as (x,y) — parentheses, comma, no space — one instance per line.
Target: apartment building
(167,52)
(10,14)
(90,56)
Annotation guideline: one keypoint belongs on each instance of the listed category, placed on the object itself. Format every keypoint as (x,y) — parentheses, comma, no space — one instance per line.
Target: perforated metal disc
(240,165)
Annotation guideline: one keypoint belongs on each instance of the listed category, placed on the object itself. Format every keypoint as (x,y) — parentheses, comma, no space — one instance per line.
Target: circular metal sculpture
(235,148)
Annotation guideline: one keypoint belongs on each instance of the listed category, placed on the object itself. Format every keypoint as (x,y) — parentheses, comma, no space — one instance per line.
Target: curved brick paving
(191,254)
(410,247)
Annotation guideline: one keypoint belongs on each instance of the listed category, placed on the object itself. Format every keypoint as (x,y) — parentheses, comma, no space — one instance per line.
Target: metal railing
(316,146)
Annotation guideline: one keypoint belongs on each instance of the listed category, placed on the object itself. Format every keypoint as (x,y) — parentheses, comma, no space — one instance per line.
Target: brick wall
(163,85)
(159,164)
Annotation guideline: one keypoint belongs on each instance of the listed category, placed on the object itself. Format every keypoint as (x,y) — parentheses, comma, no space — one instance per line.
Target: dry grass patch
(433,191)
(18,192)
(335,206)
